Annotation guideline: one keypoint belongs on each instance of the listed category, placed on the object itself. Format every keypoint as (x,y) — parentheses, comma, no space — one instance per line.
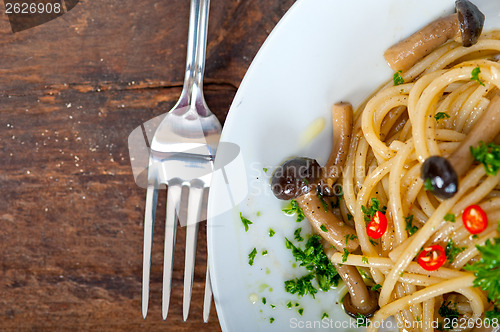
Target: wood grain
(71,91)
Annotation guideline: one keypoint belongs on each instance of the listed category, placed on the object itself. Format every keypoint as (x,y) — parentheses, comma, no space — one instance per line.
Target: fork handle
(196,48)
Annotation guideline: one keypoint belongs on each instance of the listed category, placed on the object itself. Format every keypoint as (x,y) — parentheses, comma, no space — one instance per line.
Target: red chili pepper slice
(475,219)
(377,226)
(432,258)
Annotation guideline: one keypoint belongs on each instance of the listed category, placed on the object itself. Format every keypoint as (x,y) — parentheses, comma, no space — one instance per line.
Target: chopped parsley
(409,225)
(323,203)
(325,315)
(245,222)
(345,255)
(323,228)
(397,79)
(300,311)
(273,306)
(474,75)
(446,311)
(488,155)
(449,217)
(452,250)
(264,300)
(313,258)
(373,242)
(428,185)
(487,270)
(492,314)
(350,237)
(362,320)
(265,170)
(376,287)
(297,235)
(264,252)
(364,259)
(294,208)
(271,232)
(441,115)
(251,256)
(271,320)
(289,305)
(375,206)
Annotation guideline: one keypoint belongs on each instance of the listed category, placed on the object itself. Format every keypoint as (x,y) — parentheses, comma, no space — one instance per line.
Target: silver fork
(181,155)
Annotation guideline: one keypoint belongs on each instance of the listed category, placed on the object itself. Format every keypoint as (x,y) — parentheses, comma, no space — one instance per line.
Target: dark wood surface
(71,216)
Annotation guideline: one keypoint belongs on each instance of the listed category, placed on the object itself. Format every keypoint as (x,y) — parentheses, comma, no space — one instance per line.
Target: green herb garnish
(271,320)
(264,252)
(271,232)
(441,115)
(325,315)
(397,79)
(362,320)
(294,208)
(297,235)
(446,311)
(375,206)
(487,269)
(488,155)
(376,287)
(409,225)
(300,311)
(364,260)
(322,200)
(289,305)
(474,75)
(449,217)
(350,237)
(251,256)
(323,228)
(428,186)
(345,255)
(452,251)
(245,222)
(313,258)
(264,300)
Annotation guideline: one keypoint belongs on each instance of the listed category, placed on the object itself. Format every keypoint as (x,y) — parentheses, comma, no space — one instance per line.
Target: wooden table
(72,90)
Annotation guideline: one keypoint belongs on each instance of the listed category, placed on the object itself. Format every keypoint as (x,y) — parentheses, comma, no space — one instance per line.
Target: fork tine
(207,301)
(149,218)
(193,215)
(173,199)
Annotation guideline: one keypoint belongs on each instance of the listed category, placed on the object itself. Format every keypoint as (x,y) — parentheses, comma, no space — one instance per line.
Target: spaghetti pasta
(440,83)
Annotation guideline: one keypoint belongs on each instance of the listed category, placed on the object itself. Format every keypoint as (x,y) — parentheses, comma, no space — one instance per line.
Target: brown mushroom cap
(368,309)
(471,22)
(295,178)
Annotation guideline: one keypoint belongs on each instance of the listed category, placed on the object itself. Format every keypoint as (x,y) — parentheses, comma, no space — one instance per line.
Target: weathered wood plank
(71,92)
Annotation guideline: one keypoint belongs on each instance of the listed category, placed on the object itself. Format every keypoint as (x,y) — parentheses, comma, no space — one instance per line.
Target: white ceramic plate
(322,52)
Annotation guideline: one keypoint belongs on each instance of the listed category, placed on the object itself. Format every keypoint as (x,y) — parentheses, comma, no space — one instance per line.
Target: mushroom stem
(464,26)
(342,129)
(407,52)
(485,129)
(337,232)
(359,300)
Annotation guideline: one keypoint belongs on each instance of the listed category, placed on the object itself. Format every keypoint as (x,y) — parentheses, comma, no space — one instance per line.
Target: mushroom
(342,129)
(359,299)
(298,179)
(443,173)
(464,26)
